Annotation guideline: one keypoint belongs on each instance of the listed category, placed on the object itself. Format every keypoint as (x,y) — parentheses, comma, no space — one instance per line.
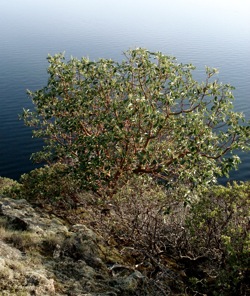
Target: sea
(212,33)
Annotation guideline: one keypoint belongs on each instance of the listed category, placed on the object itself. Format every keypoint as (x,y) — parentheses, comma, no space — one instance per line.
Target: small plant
(6,184)
(22,240)
(48,184)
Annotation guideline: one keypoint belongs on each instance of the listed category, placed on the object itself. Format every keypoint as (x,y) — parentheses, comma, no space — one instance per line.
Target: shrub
(145,115)
(201,246)
(48,184)
(6,184)
(218,227)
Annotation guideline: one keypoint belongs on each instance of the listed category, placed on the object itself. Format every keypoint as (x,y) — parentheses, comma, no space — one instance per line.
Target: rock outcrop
(40,254)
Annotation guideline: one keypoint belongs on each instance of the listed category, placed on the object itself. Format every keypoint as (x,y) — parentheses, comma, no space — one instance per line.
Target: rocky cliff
(40,254)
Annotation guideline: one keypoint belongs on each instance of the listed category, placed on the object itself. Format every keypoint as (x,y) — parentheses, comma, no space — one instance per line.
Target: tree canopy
(108,120)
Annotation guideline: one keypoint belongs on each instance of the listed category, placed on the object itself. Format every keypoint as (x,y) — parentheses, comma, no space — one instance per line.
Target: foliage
(201,248)
(48,184)
(6,184)
(133,222)
(195,248)
(218,227)
(146,115)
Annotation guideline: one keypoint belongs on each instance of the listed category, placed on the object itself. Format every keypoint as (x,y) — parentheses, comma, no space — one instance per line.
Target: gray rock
(61,260)
(83,245)
(21,216)
(18,275)
(39,284)
(9,252)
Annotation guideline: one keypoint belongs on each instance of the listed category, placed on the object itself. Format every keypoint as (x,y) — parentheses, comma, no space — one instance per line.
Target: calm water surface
(215,33)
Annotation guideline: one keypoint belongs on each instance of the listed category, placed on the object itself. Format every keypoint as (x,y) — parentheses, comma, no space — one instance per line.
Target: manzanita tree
(145,115)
